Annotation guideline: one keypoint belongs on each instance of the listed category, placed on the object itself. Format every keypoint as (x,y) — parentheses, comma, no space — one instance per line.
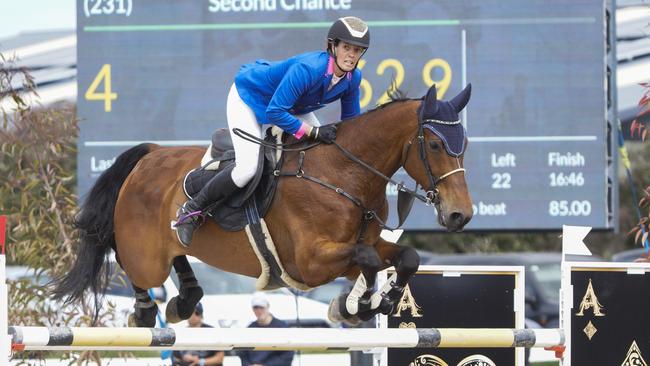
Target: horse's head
(435,158)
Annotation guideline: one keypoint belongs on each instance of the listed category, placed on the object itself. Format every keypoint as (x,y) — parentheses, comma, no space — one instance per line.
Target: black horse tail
(94,220)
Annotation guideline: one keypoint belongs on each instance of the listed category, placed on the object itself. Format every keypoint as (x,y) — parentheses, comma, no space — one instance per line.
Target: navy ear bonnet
(441,118)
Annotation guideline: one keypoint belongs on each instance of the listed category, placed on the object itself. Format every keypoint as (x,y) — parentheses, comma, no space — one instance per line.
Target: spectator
(265,320)
(197,358)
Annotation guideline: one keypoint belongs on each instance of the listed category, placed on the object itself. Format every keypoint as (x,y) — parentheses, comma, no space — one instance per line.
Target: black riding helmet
(351,30)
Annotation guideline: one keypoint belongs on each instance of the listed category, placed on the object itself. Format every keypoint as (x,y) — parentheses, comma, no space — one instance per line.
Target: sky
(35,15)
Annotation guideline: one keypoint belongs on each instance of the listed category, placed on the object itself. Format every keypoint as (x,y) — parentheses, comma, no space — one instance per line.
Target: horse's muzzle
(454,221)
(457,221)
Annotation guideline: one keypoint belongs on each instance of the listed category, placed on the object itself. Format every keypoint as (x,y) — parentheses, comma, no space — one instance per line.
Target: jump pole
(134,339)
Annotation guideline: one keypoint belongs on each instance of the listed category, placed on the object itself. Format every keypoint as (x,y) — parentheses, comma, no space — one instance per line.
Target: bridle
(405,196)
(432,192)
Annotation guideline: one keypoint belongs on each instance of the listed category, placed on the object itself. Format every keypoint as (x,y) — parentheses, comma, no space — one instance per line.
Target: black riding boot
(190,216)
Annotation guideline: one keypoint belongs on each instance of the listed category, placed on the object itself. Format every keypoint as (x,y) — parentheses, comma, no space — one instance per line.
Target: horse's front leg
(356,305)
(406,262)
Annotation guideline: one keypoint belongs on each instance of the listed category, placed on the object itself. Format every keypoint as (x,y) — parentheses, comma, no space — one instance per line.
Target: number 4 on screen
(104,75)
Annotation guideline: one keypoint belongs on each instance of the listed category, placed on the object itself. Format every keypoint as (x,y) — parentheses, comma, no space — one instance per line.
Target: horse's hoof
(335,316)
(171,312)
(134,322)
(353,321)
(131,321)
(143,317)
(333,313)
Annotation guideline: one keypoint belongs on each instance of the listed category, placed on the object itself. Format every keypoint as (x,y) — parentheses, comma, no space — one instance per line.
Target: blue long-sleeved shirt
(276,91)
(267,358)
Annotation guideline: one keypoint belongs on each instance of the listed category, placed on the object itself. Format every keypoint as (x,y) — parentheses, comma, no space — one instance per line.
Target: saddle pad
(273,274)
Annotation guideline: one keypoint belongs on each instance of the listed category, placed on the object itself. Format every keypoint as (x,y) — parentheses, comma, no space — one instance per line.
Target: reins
(283,147)
(431,196)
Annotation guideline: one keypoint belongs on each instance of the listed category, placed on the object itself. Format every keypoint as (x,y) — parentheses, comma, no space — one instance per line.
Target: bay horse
(319,234)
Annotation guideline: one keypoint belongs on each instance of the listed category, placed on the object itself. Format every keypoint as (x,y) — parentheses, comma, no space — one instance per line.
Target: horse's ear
(431,102)
(460,101)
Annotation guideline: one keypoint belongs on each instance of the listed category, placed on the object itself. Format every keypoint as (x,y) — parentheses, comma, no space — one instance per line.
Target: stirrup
(185,216)
(185,225)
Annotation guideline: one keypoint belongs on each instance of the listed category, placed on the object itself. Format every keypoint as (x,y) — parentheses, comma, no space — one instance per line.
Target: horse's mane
(395,95)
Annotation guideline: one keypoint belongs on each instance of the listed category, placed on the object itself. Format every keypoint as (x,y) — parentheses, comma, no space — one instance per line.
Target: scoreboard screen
(539,121)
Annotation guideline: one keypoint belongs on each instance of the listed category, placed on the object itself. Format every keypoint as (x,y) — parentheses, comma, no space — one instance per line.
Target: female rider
(285,94)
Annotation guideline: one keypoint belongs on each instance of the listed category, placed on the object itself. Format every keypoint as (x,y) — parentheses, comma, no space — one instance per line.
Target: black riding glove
(326,134)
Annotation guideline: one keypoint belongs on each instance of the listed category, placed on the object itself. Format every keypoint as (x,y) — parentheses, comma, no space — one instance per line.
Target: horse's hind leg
(145,310)
(356,305)
(181,307)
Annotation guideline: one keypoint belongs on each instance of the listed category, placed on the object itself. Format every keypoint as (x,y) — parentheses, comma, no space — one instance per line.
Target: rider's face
(347,56)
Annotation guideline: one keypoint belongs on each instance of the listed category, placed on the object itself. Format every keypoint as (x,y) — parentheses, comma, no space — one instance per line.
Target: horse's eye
(434,145)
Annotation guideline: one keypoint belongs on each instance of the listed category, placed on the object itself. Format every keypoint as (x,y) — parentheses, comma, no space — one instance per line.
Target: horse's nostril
(457,218)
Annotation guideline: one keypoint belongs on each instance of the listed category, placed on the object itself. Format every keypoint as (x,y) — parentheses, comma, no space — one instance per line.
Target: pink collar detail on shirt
(330,69)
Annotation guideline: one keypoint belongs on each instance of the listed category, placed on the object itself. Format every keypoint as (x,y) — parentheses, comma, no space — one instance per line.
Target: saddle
(255,198)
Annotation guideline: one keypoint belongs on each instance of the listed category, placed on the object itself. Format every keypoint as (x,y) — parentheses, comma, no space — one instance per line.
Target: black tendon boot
(191,215)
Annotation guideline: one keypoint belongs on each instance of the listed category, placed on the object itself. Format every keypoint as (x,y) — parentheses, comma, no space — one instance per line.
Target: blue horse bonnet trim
(452,135)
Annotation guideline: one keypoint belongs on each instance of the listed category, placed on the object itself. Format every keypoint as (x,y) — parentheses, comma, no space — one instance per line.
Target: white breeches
(241,116)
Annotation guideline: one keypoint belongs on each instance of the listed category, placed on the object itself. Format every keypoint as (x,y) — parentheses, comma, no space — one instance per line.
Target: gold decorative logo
(590,330)
(407,325)
(407,302)
(428,360)
(476,360)
(634,357)
(590,301)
